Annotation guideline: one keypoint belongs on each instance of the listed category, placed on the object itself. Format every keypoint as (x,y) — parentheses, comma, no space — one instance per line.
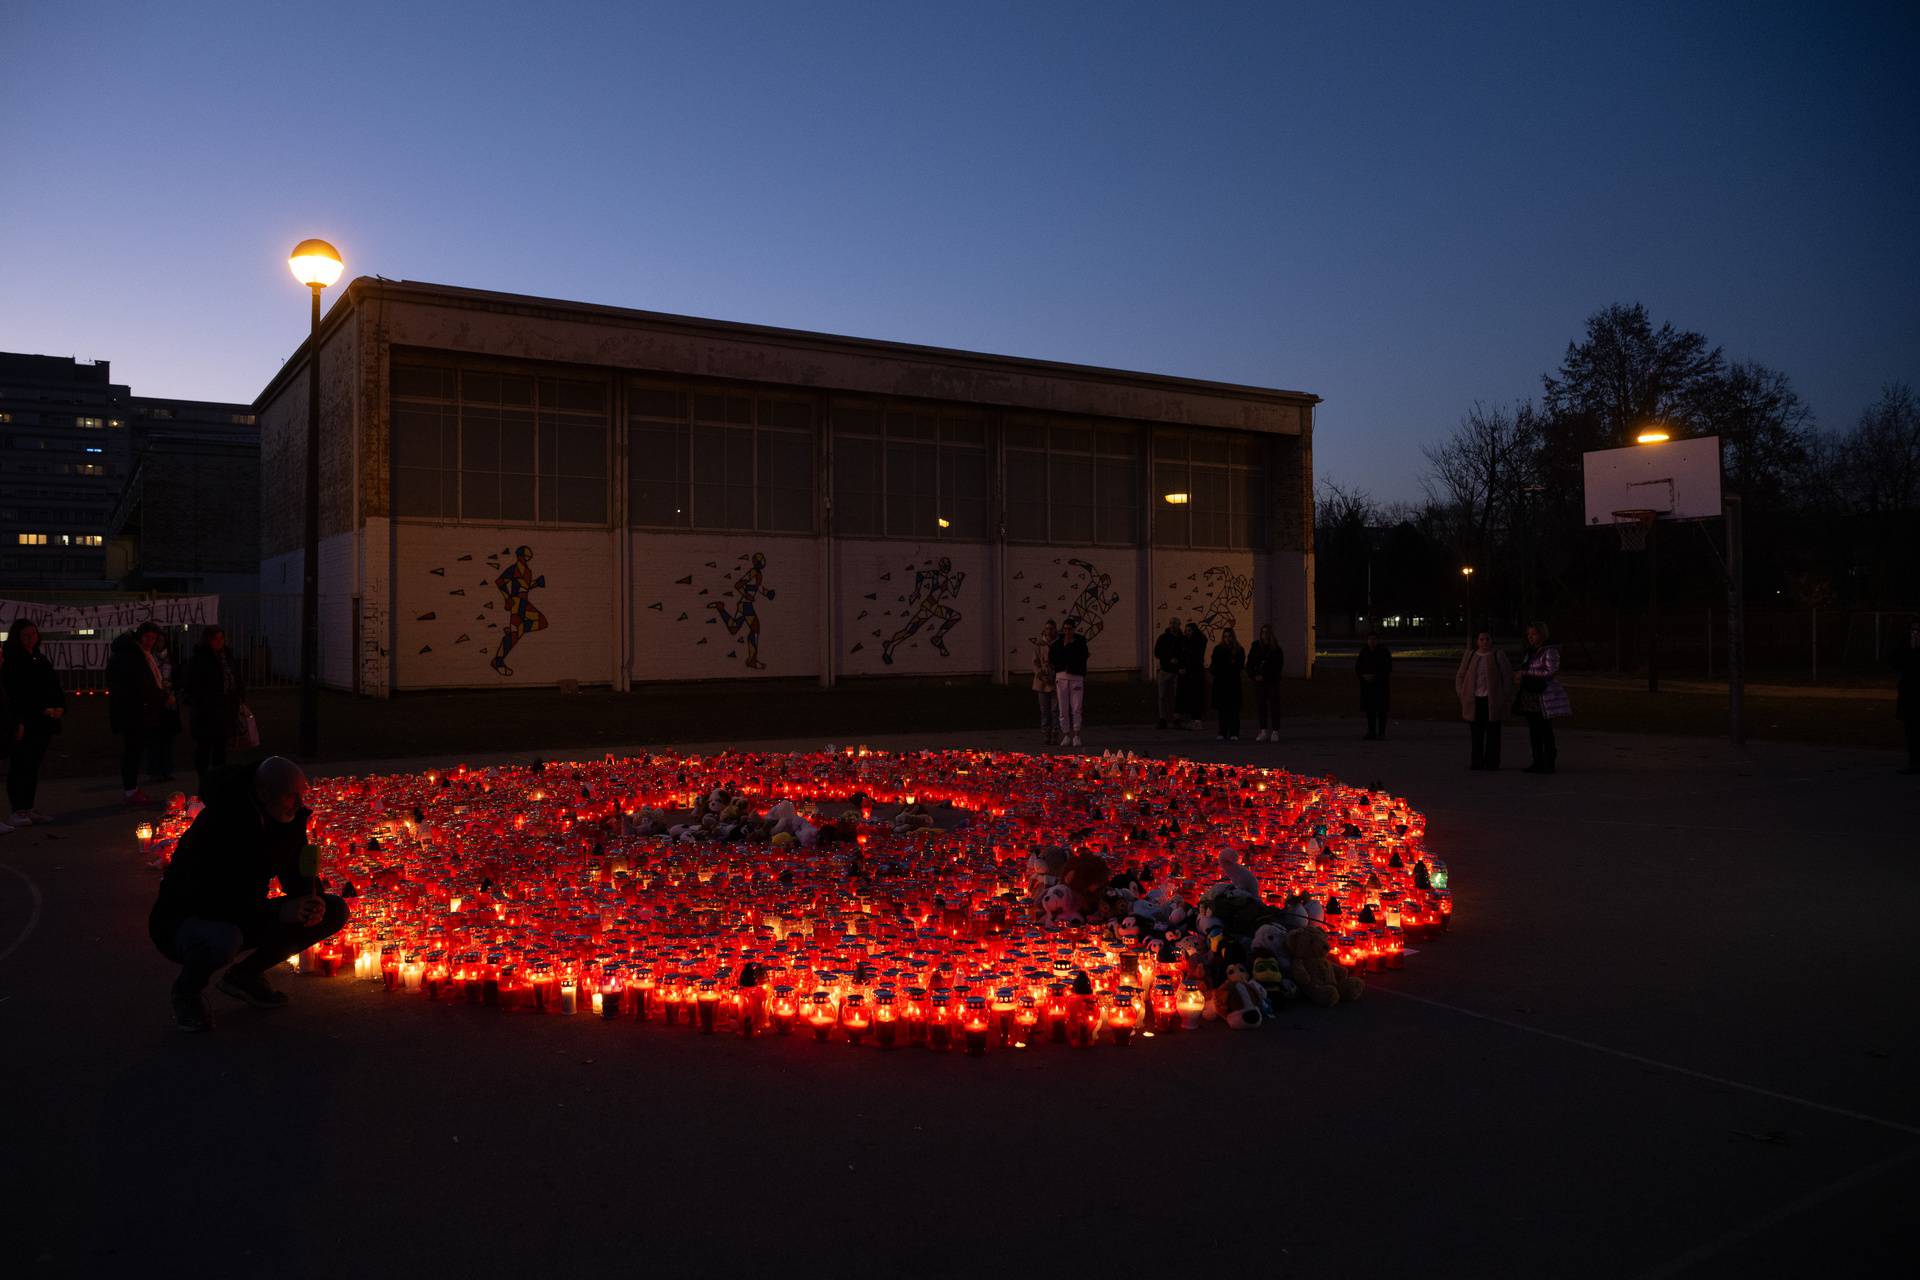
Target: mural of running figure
(932,590)
(515,584)
(742,617)
(1096,597)
(1230,591)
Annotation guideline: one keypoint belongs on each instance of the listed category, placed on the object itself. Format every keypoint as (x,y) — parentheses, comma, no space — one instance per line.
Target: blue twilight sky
(1401,208)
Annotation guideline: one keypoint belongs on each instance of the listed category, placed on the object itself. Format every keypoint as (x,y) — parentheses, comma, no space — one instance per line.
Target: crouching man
(213,901)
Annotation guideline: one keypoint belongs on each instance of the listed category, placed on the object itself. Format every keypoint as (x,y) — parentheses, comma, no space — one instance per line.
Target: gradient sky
(1400,208)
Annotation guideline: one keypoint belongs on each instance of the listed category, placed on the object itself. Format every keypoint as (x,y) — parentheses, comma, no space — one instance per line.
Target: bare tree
(1477,472)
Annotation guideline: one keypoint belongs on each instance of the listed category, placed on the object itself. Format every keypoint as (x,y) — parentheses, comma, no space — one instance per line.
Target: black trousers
(23,767)
(202,947)
(133,747)
(1229,719)
(1373,700)
(1540,731)
(1485,734)
(1266,703)
(209,753)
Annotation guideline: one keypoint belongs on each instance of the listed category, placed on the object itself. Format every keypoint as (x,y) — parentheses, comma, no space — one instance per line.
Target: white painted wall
(679,634)
(282,575)
(449,616)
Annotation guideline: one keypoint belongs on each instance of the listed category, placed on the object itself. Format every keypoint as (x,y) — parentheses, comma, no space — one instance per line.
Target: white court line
(1738,1235)
(1829,1108)
(33,916)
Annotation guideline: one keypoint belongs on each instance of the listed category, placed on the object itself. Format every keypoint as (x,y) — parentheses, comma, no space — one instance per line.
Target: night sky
(1401,208)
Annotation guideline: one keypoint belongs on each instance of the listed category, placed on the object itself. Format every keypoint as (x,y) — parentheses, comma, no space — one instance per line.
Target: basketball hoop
(1633,524)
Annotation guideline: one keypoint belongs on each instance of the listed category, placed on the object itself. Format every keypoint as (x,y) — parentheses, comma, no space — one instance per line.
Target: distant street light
(316,264)
(1653,435)
(1466,571)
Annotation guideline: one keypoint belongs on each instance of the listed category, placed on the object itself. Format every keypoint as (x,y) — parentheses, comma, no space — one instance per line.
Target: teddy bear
(1087,874)
(1045,866)
(1319,977)
(1058,907)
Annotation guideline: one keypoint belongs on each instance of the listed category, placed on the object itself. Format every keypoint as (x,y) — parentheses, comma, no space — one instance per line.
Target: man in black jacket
(1167,651)
(213,900)
(137,699)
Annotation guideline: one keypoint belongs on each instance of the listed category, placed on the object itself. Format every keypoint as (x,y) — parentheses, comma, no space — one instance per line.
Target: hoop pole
(1736,624)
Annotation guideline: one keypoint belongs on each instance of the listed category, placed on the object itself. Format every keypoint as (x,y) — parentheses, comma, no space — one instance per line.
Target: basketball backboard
(1678,479)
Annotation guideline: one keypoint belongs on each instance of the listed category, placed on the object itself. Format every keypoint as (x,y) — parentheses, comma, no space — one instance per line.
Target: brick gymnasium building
(523,491)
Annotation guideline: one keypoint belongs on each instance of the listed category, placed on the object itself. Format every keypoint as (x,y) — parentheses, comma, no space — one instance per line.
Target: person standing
(1906,705)
(1229,660)
(1068,655)
(1266,662)
(215,693)
(136,702)
(159,751)
(1193,674)
(1374,666)
(1166,653)
(1481,683)
(35,700)
(1543,699)
(1044,690)
(11,730)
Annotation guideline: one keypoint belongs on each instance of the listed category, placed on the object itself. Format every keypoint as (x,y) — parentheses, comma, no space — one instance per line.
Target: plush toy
(1267,972)
(1236,874)
(1239,1001)
(1057,905)
(1315,972)
(1131,930)
(1045,867)
(1087,874)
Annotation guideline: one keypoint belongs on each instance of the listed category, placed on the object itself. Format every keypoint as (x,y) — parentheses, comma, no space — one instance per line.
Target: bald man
(213,900)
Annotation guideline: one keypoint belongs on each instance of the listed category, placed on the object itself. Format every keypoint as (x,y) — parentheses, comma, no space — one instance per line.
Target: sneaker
(5,830)
(252,988)
(21,818)
(1076,740)
(190,1013)
(39,817)
(137,796)
(1233,737)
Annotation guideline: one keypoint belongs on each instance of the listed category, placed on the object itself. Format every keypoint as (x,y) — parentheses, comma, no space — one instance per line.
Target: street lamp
(316,264)
(1653,433)
(1466,576)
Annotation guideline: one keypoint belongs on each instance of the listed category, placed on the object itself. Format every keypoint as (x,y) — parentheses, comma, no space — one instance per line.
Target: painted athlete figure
(1094,601)
(514,585)
(931,589)
(750,587)
(1233,589)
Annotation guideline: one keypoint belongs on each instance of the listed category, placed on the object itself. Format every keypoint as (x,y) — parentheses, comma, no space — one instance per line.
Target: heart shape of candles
(896,909)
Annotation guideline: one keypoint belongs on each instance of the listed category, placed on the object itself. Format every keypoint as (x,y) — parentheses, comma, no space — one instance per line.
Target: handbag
(246,730)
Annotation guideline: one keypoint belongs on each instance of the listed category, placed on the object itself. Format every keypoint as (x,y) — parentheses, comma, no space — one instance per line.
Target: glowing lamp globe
(315,263)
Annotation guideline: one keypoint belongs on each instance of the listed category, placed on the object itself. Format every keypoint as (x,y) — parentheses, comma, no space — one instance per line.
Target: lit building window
(92,424)
(89,540)
(33,539)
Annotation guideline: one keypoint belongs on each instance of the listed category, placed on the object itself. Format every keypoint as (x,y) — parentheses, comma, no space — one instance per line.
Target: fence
(263,637)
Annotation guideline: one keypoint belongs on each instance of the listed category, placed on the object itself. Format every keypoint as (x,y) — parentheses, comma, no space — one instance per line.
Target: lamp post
(316,264)
(1466,576)
(1653,434)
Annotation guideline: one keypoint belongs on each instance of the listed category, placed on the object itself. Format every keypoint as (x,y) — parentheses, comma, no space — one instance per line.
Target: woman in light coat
(1481,683)
(1542,697)
(1043,684)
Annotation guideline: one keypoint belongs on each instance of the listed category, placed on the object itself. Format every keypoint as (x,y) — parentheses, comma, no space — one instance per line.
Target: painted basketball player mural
(1097,595)
(516,585)
(742,619)
(934,590)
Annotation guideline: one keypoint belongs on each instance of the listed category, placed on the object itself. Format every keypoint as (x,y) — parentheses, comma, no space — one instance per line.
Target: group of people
(1490,688)
(1184,667)
(1060,681)
(144,709)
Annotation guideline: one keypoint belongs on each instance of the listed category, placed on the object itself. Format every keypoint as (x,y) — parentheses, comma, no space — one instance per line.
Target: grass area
(535,720)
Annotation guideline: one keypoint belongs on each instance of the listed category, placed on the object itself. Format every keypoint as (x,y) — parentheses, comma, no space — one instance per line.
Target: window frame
(709,414)
(1047,441)
(1228,486)
(937,443)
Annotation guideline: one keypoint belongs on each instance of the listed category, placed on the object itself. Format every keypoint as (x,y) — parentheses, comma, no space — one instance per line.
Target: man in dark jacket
(1167,651)
(1069,658)
(1374,666)
(213,900)
(136,701)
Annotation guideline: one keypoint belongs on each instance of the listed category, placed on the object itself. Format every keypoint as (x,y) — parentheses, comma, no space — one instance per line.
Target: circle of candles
(526,886)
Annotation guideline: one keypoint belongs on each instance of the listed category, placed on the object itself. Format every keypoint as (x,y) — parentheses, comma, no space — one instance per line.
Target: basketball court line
(1773,1218)
(1629,1056)
(33,916)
